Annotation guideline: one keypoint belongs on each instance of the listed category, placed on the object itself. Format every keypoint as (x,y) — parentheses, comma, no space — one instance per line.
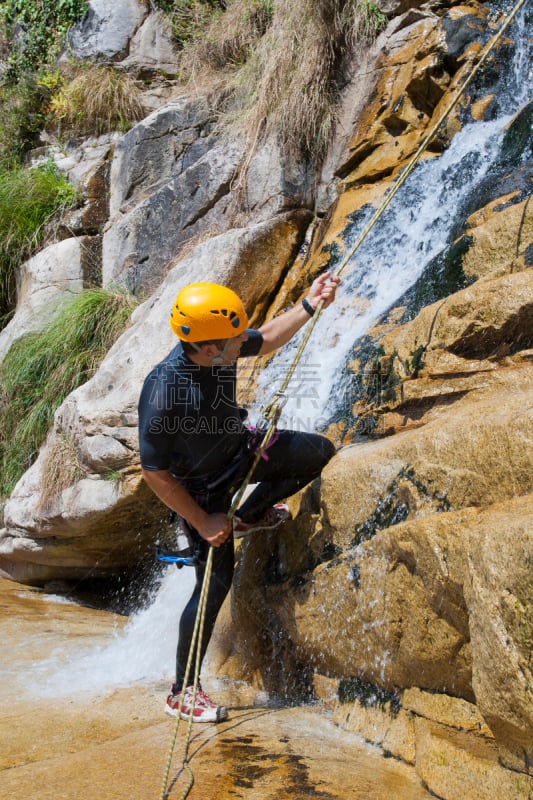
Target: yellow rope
(272,411)
(195,645)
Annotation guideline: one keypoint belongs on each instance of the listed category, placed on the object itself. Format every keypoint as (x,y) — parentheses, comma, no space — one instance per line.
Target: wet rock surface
(114,745)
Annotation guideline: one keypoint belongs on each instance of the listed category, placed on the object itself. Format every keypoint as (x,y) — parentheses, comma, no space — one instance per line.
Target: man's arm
(278,331)
(214,528)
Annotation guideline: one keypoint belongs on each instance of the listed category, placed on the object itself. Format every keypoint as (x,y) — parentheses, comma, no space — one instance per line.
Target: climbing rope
(271,412)
(195,646)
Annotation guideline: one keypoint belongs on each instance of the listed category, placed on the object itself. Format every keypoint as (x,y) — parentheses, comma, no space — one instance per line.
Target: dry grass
(61,469)
(281,63)
(292,80)
(97,100)
(231,37)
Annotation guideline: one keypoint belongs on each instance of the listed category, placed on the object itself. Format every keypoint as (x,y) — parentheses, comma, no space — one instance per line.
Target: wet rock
(440,602)
(499,593)
(462,27)
(394,731)
(492,317)
(409,374)
(406,98)
(454,766)
(92,216)
(500,237)
(451,711)
(518,138)
(113,742)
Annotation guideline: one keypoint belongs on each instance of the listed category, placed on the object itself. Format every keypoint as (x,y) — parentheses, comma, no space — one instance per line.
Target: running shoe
(204,709)
(271,519)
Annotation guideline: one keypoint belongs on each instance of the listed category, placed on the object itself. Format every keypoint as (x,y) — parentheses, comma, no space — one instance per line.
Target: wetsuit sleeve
(156,421)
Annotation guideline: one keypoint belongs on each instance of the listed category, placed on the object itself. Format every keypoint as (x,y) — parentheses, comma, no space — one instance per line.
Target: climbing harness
(271,412)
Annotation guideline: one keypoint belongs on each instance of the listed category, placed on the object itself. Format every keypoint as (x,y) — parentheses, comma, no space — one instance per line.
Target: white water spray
(144,651)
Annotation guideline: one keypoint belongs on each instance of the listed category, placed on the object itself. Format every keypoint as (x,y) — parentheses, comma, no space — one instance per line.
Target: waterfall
(414,230)
(417,227)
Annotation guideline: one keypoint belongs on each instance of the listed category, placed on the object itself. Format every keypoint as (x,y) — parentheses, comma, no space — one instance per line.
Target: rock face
(105,31)
(49,277)
(404,579)
(171,185)
(170,180)
(151,47)
(66,535)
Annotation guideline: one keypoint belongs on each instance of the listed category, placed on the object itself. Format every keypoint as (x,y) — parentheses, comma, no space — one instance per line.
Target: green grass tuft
(29,198)
(41,369)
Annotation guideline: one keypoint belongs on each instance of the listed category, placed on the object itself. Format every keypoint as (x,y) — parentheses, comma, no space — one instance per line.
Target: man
(196,449)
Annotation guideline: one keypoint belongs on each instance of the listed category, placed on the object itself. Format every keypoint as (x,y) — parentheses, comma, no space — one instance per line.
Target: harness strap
(181,558)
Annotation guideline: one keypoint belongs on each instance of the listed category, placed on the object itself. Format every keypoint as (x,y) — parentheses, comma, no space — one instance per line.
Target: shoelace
(204,700)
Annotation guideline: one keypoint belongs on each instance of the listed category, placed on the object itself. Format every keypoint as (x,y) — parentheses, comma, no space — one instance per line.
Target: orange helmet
(206,311)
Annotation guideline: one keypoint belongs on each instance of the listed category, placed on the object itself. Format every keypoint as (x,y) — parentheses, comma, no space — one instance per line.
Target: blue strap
(175,558)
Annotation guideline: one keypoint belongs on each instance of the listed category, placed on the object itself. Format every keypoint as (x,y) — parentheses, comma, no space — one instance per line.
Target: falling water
(144,650)
(417,227)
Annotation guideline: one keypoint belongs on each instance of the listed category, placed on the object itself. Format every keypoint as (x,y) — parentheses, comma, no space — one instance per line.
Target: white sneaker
(271,519)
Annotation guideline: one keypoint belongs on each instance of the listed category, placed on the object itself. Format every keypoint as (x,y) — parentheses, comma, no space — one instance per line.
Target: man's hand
(323,288)
(215,529)
(279,330)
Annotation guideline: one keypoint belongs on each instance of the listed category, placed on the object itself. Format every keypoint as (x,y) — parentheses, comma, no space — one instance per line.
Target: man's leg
(294,460)
(221,577)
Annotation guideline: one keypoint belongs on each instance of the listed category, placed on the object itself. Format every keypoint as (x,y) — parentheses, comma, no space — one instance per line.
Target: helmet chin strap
(219,360)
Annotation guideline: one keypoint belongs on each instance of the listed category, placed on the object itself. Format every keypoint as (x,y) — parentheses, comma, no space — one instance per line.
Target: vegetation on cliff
(280,61)
(93,100)
(41,369)
(29,199)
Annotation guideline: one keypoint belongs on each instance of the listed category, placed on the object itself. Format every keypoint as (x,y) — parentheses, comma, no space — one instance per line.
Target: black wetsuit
(190,424)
